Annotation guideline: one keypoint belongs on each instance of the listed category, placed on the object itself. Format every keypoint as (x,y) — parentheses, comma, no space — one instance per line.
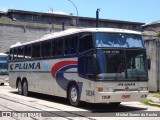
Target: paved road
(37,105)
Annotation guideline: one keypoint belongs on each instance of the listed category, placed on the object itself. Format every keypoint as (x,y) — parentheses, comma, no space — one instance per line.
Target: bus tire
(2,83)
(74,97)
(115,104)
(25,88)
(20,89)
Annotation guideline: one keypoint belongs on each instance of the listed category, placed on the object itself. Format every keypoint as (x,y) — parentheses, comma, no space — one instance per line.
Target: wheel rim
(25,89)
(74,94)
(19,87)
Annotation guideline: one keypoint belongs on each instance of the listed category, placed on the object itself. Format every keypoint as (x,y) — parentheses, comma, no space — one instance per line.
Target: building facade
(152,43)
(22,26)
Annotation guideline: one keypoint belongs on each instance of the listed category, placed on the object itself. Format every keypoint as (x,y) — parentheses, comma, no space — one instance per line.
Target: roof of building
(70,16)
(152,23)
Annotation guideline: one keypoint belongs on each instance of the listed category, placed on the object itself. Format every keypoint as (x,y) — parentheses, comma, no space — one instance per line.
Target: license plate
(125,96)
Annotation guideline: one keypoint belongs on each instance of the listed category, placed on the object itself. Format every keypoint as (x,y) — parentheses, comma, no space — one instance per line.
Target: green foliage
(157,95)
(146,102)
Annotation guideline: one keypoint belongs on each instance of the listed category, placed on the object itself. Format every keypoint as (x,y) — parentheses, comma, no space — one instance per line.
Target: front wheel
(2,83)
(25,88)
(74,97)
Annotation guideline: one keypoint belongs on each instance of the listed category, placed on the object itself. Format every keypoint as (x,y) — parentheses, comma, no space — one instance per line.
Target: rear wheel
(2,83)
(25,88)
(74,97)
(20,87)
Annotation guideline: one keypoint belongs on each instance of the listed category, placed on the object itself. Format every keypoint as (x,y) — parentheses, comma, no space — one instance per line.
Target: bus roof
(3,54)
(74,31)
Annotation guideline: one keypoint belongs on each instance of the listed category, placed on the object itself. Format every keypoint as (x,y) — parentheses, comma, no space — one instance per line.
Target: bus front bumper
(4,78)
(125,96)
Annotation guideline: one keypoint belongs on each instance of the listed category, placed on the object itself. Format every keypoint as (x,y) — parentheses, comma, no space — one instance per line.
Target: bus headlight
(109,89)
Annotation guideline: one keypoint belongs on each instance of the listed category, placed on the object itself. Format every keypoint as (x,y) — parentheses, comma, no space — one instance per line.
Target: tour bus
(4,77)
(95,65)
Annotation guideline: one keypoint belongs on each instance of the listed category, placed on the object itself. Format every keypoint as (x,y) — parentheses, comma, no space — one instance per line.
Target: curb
(154,104)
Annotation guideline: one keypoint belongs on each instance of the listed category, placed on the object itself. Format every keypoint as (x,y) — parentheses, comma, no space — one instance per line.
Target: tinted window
(86,42)
(36,50)
(11,54)
(118,40)
(15,54)
(46,49)
(121,64)
(20,52)
(71,45)
(57,47)
(82,66)
(86,66)
(90,63)
(27,53)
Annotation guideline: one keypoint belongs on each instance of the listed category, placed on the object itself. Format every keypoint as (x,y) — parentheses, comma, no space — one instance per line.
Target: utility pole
(97,17)
(77,22)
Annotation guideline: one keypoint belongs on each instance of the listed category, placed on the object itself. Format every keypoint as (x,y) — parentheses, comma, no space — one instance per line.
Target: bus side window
(57,47)
(86,66)
(86,42)
(53,48)
(36,50)
(71,45)
(15,54)
(82,65)
(20,53)
(27,52)
(11,55)
(46,49)
(90,66)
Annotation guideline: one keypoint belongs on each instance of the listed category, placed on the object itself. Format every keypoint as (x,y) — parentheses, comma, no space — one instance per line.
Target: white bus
(4,77)
(95,65)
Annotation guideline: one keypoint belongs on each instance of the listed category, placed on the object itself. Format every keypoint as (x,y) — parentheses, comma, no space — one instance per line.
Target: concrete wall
(153,53)
(10,35)
(152,43)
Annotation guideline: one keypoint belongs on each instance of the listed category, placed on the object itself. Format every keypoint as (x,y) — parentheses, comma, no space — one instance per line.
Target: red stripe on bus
(61,64)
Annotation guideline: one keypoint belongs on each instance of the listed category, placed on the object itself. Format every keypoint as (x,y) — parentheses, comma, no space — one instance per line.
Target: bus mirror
(149,63)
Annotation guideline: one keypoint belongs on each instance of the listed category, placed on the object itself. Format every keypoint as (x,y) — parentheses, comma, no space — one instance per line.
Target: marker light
(100,89)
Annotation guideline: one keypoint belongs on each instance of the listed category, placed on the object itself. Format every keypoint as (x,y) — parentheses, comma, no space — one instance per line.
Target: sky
(145,11)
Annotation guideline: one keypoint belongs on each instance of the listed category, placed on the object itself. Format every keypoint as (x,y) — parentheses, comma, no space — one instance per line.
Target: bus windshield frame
(120,56)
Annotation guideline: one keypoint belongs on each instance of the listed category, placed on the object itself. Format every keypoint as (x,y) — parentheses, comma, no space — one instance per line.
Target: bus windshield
(3,58)
(121,65)
(118,40)
(3,65)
